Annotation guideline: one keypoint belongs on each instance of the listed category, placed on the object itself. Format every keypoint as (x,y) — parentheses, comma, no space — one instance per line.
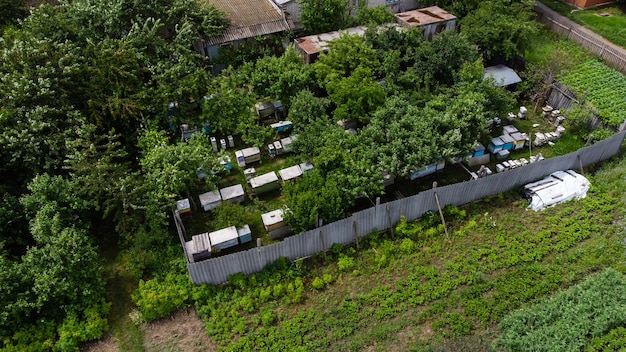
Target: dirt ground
(182,331)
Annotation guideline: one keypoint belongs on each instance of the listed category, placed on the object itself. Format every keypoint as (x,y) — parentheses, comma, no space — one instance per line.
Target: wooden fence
(613,55)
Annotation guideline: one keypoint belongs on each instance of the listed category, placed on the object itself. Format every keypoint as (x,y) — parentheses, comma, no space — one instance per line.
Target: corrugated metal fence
(383,216)
(613,55)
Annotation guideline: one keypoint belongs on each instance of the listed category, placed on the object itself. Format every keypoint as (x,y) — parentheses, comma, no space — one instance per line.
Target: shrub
(268,317)
(407,245)
(318,283)
(247,304)
(345,263)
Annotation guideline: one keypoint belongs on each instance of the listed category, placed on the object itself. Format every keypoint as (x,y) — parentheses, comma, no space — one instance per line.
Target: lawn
(607,21)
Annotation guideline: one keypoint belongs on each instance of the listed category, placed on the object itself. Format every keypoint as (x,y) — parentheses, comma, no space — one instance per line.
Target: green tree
(11,11)
(501,28)
(373,16)
(320,16)
(306,109)
(280,77)
(356,96)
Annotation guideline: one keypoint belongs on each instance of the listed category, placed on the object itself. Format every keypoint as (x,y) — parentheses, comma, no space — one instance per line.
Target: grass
(612,27)
(119,285)
(418,290)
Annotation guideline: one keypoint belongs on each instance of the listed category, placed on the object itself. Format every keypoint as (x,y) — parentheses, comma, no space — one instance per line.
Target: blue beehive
(508,141)
(479,150)
(282,126)
(496,145)
(245,235)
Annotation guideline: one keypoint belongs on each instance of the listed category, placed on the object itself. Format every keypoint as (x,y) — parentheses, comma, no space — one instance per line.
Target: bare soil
(182,331)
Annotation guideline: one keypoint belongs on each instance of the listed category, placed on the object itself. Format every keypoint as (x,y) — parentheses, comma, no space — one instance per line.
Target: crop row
(604,87)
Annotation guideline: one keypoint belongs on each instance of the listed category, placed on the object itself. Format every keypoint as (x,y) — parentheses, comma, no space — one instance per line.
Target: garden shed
(264,183)
(232,194)
(224,238)
(250,155)
(431,20)
(502,75)
(559,187)
(290,173)
(311,46)
(210,200)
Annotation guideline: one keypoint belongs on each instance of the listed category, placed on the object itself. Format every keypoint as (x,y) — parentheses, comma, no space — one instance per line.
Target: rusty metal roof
(250,18)
(319,42)
(422,17)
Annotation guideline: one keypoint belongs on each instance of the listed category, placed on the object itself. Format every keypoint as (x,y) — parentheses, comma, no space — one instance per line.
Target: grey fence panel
(380,221)
(217,270)
(365,221)
(338,232)
(270,254)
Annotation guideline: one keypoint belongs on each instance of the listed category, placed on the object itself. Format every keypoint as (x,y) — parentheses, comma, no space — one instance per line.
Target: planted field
(414,290)
(565,321)
(605,88)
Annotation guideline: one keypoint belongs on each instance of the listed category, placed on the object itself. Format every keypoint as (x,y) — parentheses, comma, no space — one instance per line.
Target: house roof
(250,18)
(503,75)
(316,43)
(423,17)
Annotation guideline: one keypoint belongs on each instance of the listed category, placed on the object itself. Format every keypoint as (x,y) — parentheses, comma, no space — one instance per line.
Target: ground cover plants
(565,321)
(607,21)
(604,87)
(417,290)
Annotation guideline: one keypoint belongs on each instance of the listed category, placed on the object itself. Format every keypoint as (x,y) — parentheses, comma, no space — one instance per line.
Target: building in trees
(431,20)
(248,19)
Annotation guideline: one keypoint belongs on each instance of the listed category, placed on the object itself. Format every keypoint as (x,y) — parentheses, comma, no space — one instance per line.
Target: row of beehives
(513,164)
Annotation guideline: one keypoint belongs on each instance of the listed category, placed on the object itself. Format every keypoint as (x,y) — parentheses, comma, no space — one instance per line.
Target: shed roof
(210,197)
(424,16)
(502,75)
(264,179)
(290,172)
(273,217)
(231,192)
(250,151)
(250,18)
(223,235)
(319,42)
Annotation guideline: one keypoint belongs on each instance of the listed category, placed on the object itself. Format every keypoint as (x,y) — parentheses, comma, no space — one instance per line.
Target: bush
(318,283)
(345,263)
(407,245)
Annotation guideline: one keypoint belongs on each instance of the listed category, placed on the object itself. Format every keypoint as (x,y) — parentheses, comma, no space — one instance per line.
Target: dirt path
(123,334)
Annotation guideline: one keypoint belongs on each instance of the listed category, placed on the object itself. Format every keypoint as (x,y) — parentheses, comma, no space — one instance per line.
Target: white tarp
(559,187)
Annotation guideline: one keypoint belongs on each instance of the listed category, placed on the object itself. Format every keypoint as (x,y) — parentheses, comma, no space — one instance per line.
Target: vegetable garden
(604,87)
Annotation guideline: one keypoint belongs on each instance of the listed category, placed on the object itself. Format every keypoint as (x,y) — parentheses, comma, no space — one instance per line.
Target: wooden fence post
(356,235)
(443,220)
(393,236)
(323,244)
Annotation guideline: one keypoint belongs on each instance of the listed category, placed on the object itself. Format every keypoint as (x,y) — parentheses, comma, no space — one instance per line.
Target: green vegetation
(608,21)
(446,293)
(566,321)
(604,87)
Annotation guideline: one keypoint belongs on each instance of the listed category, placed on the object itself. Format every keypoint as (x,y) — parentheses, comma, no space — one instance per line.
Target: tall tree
(319,16)
(501,28)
